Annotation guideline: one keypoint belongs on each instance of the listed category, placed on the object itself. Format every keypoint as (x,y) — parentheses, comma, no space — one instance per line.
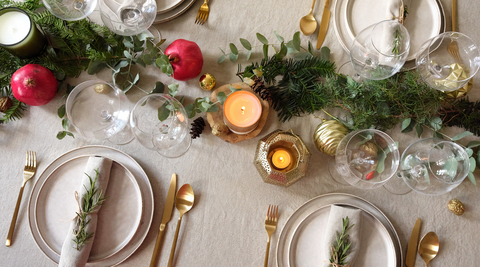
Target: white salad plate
(124,218)
(424,20)
(164,6)
(174,13)
(301,239)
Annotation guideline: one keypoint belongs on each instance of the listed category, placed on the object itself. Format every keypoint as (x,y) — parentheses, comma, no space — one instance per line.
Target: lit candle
(281,159)
(19,35)
(242,111)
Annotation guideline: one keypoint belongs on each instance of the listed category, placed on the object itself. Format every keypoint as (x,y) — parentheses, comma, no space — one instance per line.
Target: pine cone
(5,103)
(260,88)
(197,127)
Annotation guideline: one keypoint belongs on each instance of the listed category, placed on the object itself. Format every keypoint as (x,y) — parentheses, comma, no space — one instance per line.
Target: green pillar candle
(19,35)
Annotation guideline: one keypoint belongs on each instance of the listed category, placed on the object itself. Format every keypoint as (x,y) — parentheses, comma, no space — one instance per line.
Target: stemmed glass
(99,110)
(70,9)
(433,166)
(160,123)
(448,61)
(367,159)
(128,17)
(380,50)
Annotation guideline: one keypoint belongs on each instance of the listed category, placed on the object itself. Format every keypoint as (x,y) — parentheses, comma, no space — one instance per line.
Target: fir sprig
(340,249)
(397,40)
(92,199)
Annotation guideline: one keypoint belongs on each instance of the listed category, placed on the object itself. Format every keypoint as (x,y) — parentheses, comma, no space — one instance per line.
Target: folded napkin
(70,256)
(395,10)
(335,225)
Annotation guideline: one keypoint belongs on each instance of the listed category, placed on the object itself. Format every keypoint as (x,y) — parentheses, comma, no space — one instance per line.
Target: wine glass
(367,159)
(446,67)
(70,9)
(160,123)
(380,50)
(128,17)
(99,110)
(432,166)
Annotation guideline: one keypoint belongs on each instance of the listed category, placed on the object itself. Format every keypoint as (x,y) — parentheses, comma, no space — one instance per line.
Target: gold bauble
(220,129)
(102,88)
(456,206)
(462,91)
(5,103)
(207,81)
(328,135)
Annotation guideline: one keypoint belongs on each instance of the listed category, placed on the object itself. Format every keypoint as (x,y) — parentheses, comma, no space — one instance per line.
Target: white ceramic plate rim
(345,36)
(174,13)
(137,223)
(147,199)
(383,228)
(330,199)
(169,7)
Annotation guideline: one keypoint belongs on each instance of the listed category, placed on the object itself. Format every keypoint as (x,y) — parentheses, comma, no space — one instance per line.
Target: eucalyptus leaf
(233,57)
(221,58)
(262,39)
(469,151)
(325,53)
(265,51)
(471,177)
(290,48)
(461,135)
(190,110)
(472,164)
(127,54)
(233,49)
(419,129)
(158,89)
(213,108)
(128,44)
(206,105)
(61,135)
(282,53)
(65,124)
(95,66)
(70,134)
(173,89)
(280,38)
(142,36)
(473,144)
(249,54)
(61,111)
(310,48)
(163,112)
(161,42)
(436,123)
(221,97)
(437,135)
(405,123)
(137,77)
(147,59)
(381,161)
(232,89)
(296,41)
(246,44)
(142,63)
(367,136)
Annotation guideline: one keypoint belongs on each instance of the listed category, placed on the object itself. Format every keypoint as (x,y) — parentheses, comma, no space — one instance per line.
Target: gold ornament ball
(461,92)
(207,81)
(220,129)
(102,88)
(456,206)
(5,103)
(328,135)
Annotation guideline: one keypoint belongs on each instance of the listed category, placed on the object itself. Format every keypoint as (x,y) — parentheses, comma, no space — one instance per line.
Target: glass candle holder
(19,35)
(241,112)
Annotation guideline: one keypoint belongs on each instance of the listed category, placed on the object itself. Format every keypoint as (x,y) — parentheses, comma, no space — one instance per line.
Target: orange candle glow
(242,111)
(281,159)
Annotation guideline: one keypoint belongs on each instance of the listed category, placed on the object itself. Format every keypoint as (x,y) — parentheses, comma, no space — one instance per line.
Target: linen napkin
(70,256)
(334,225)
(395,10)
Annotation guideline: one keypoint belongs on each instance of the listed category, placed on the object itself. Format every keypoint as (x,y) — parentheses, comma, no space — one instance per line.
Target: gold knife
(167,215)
(322,32)
(412,245)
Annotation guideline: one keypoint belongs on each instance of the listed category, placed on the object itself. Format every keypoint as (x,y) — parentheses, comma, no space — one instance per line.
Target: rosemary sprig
(341,246)
(396,41)
(92,199)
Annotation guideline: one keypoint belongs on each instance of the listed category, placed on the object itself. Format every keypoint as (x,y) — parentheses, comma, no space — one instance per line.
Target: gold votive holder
(284,141)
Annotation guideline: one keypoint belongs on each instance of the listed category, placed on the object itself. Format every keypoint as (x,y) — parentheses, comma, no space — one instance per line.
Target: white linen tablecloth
(226,225)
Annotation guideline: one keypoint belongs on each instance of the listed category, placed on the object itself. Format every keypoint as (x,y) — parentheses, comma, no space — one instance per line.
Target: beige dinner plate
(175,12)
(424,20)
(124,219)
(164,6)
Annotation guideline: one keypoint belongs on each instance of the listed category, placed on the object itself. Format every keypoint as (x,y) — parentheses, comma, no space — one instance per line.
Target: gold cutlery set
(270,226)
(427,248)
(308,24)
(183,200)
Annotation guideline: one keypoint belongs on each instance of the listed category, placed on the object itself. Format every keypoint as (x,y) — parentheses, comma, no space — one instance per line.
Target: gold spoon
(428,247)
(308,24)
(183,202)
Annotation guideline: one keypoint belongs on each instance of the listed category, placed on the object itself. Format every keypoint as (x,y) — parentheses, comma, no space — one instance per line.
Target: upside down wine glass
(128,17)
(99,110)
(160,123)
(70,9)
(380,50)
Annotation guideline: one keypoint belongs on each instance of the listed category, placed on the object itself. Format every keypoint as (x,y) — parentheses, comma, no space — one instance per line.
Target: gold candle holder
(281,158)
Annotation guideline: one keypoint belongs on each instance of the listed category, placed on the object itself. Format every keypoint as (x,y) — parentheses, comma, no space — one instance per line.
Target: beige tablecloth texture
(226,226)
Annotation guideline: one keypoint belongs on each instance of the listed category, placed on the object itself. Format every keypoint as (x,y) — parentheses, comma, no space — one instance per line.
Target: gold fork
(28,172)
(270,226)
(453,46)
(202,14)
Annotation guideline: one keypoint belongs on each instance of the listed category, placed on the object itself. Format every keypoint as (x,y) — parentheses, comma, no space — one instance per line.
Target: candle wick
(243,110)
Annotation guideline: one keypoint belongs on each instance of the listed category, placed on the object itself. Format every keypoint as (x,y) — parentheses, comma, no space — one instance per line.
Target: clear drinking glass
(432,166)
(128,17)
(70,9)
(380,50)
(448,61)
(160,123)
(367,159)
(99,110)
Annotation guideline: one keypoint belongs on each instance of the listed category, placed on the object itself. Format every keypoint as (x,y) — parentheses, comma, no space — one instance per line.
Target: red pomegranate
(186,59)
(34,85)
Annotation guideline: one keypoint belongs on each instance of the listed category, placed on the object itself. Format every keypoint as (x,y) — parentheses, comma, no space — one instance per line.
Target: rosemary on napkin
(340,249)
(92,199)
(397,41)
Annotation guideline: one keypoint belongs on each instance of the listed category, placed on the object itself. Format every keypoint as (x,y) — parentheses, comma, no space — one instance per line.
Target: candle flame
(281,159)
(243,110)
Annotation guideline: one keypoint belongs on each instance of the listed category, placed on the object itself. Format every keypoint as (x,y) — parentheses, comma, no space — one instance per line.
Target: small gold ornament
(5,103)
(456,206)
(207,81)
(327,136)
(102,88)
(459,72)
(220,129)
(462,91)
